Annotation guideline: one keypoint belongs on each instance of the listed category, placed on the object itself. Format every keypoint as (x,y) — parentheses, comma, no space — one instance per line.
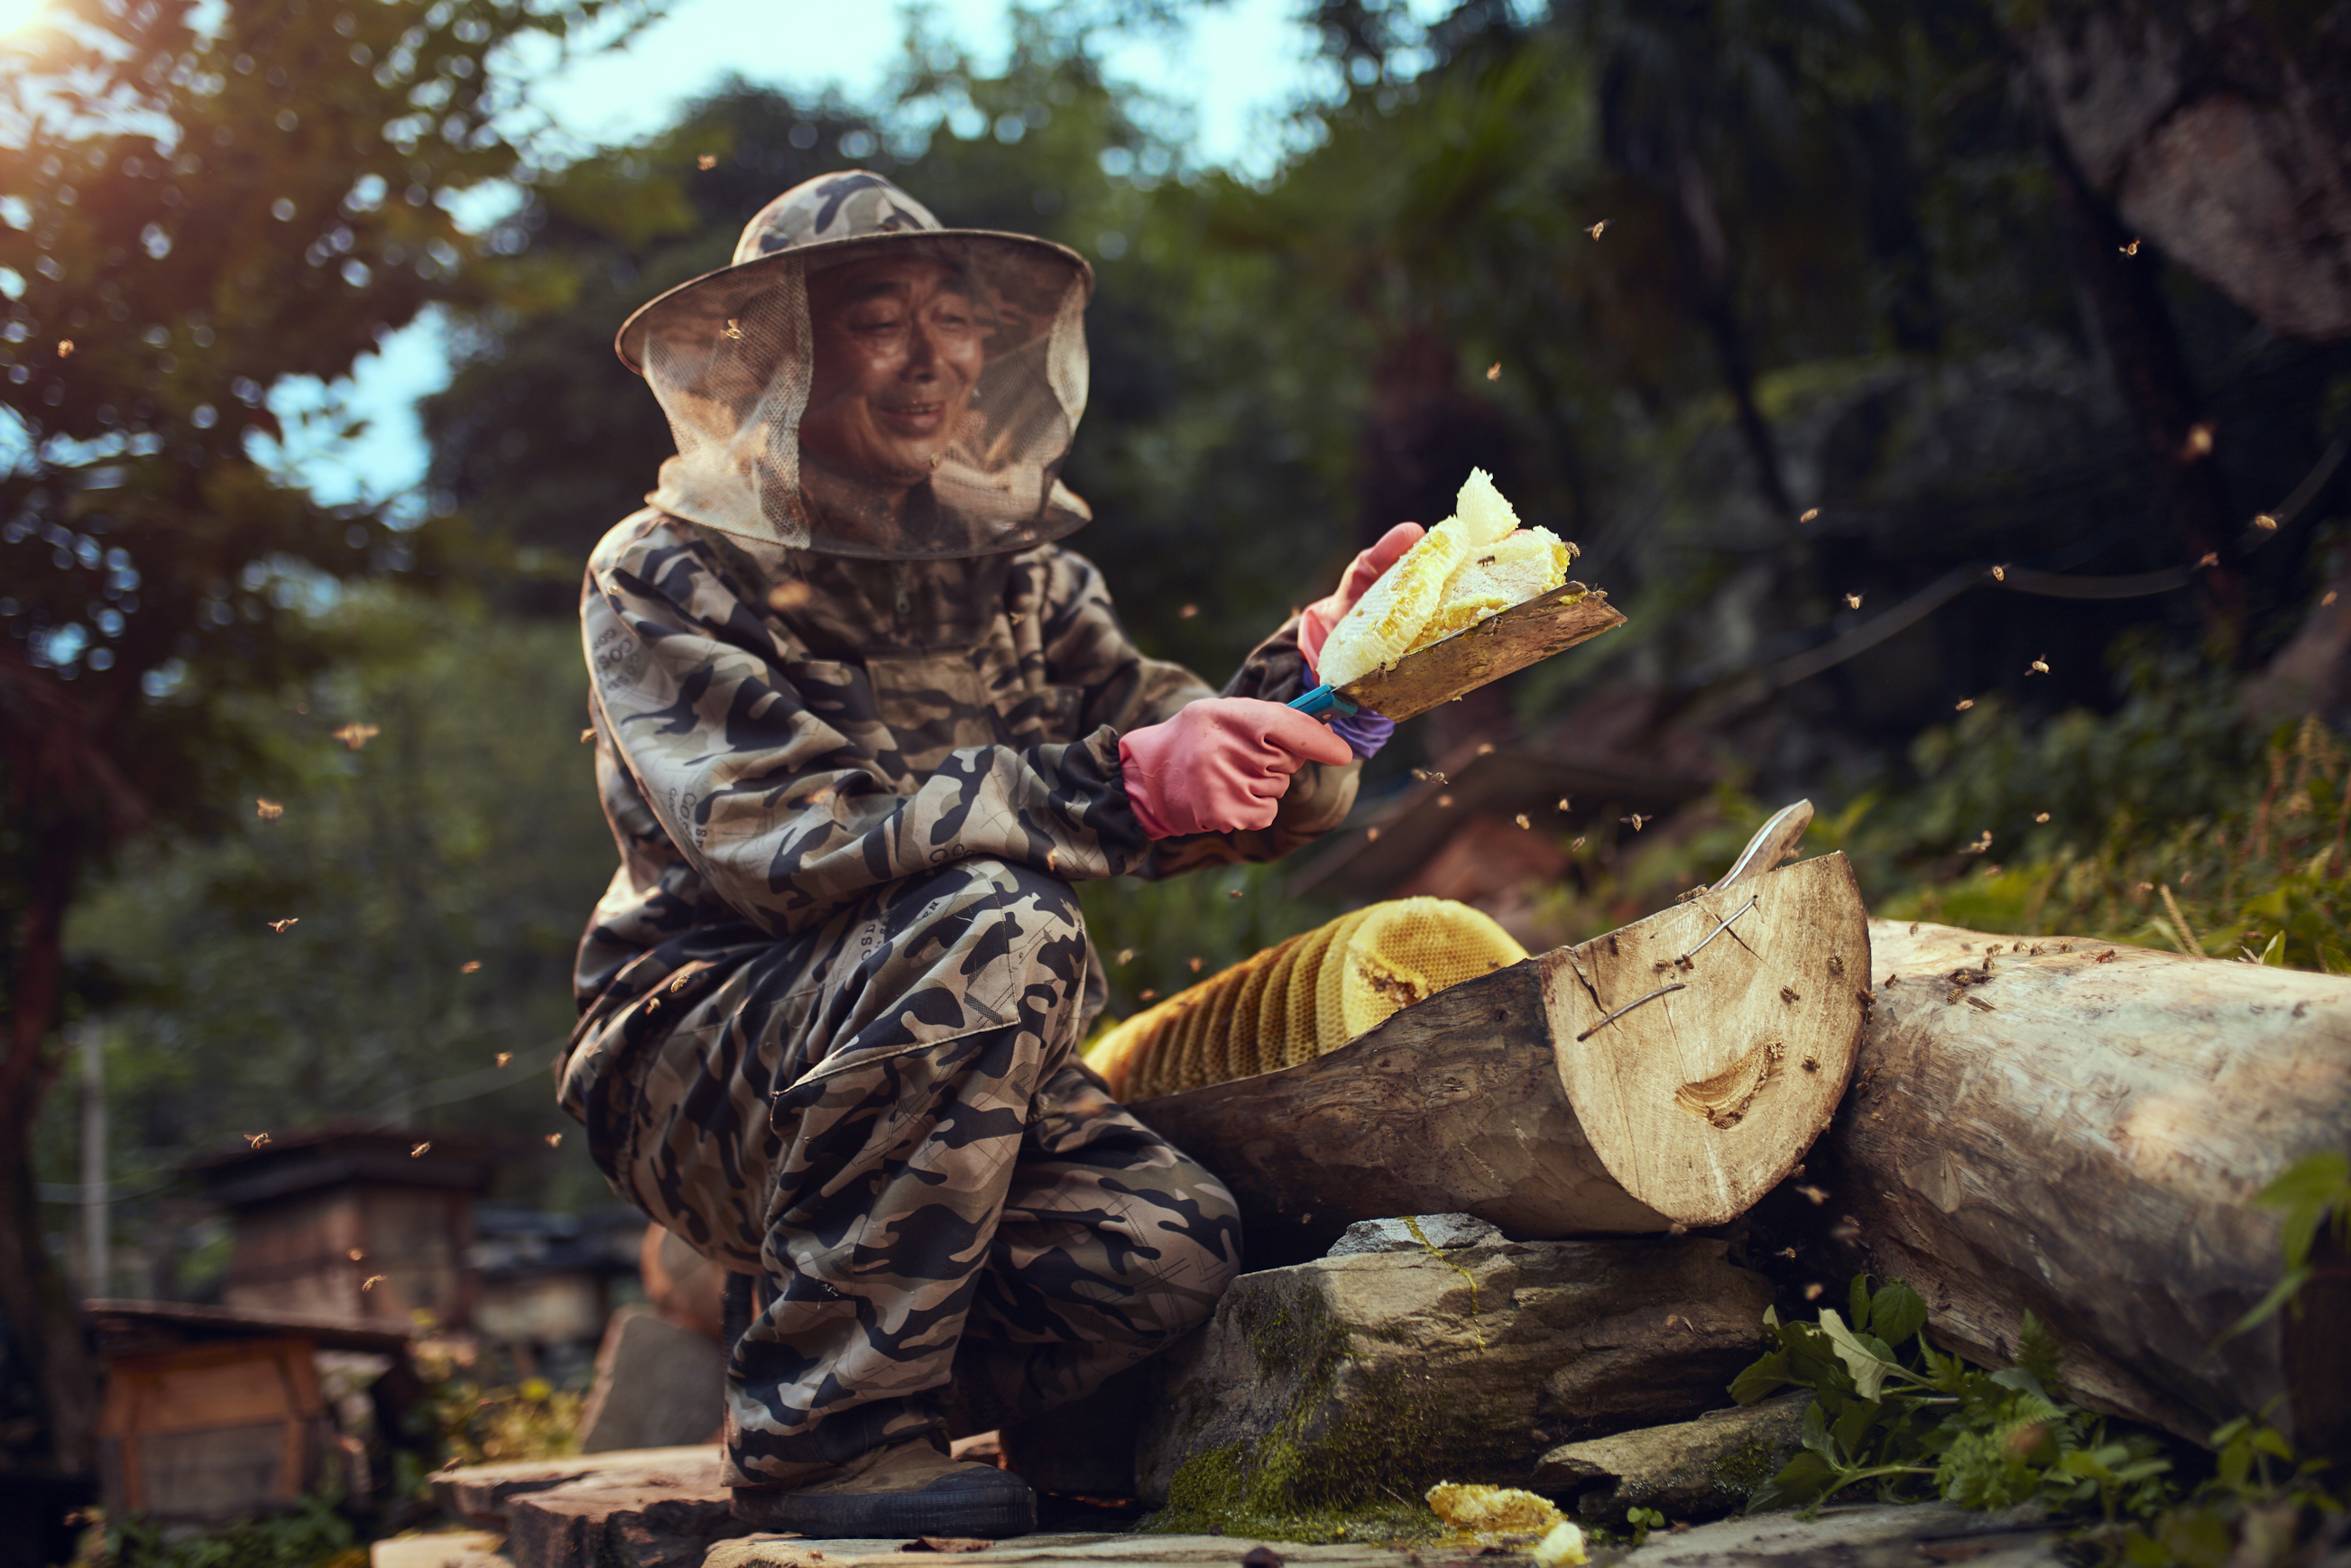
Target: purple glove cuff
(1364,731)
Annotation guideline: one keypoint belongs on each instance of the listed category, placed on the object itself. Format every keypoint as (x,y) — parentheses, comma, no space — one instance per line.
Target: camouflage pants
(885,1119)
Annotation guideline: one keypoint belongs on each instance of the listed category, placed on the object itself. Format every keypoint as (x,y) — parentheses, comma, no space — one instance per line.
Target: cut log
(1667,1075)
(2077,1129)
(1521,635)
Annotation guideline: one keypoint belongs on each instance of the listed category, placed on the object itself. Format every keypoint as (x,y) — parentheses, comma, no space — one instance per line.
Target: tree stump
(1666,1074)
(2077,1128)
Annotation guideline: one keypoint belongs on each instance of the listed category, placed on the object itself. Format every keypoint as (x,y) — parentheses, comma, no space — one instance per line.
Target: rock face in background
(1691,1470)
(657,1386)
(1367,1378)
(2223,133)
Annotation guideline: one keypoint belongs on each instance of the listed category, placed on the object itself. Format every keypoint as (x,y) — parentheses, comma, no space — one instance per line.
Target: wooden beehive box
(213,1431)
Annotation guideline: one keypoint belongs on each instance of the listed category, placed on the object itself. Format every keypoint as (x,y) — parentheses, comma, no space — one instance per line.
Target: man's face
(898,348)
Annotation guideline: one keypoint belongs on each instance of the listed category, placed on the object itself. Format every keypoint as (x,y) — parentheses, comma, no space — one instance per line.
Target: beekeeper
(859,724)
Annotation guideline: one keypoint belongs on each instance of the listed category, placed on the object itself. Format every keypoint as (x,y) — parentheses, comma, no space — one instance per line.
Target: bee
(1963,705)
(504,1057)
(733,332)
(1980,846)
(1430,776)
(1232,893)
(1146,995)
(2264,522)
(1812,1291)
(2038,667)
(355,734)
(280,925)
(1195,962)
(355,1255)
(1126,955)
(1187,612)
(419,1150)
(471,965)
(705,162)
(65,348)
(1597,229)
(267,811)
(588,734)
(2198,442)
(554,1139)
(1638,820)
(1371,835)
(1485,748)
(1566,803)
(1443,801)
(255,1140)
(1522,820)
(2130,249)
(1817,1195)
(1577,845)
(789,595)
(2328,599)
(1852,601)
(2041,817)
(1494,372)
(372,1281)
(2209,557)
(1808,514)
(2000,574)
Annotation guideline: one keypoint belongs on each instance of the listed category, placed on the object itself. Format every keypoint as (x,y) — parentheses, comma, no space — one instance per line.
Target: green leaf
(1869,1368)
(1851,1429)
(1857,1302)
(1896,1312)
(1760,1379)
(2038,1351)
(2266,1307)
(1805,1478)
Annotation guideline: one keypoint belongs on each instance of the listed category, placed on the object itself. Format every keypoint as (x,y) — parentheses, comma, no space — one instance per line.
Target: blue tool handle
(1322,699)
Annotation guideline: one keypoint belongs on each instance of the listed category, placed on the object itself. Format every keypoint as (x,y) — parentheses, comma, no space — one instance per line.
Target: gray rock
(657,1384)
(1073,1550)
(1357,1381)
(666,1519)
(1689,1471)
(1444,1230)
(1875,1535)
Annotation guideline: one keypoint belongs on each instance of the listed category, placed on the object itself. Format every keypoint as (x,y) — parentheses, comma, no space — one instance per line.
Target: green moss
(1340,1464)
(1745,1467)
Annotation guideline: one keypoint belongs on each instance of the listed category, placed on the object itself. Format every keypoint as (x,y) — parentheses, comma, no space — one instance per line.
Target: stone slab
(1688,1470)
(1878,1535)
(479,1494)
(442,1548)
(654,1519)
(657,1384)
(1344,1382)
(1078,1550)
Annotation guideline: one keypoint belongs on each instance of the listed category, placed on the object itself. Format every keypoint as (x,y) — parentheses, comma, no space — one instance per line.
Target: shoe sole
(993,1514)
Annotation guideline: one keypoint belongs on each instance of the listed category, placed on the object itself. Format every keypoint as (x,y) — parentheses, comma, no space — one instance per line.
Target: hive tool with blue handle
(1496,646)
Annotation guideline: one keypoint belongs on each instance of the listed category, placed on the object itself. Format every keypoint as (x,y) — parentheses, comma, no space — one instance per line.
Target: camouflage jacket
(779,735)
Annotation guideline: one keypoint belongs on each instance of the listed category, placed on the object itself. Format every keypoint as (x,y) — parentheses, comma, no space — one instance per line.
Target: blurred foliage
(433,875)
(1158,937)
(475,1423)
(312,1534)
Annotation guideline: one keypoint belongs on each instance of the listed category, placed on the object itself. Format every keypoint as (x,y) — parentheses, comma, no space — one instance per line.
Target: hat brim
(706,303)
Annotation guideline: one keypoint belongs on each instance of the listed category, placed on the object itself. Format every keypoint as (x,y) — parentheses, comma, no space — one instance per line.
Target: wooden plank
(1521,635)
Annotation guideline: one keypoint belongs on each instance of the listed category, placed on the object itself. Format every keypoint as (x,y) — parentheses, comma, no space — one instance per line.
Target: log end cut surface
(1704,1048)
(1518,636)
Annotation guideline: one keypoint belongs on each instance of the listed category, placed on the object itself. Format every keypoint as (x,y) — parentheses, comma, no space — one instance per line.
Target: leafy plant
(1916,1422)
(312,1534)
(2312,1191)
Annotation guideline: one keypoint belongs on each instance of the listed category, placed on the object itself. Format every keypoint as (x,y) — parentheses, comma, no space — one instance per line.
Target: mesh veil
(730,360)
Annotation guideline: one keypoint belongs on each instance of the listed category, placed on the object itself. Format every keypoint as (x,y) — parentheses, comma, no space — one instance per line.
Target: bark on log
(1668,1073)
(2080,1136)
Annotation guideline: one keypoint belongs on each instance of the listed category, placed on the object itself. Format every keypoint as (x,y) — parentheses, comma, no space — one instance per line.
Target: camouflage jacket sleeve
(1129,691)
(772,772)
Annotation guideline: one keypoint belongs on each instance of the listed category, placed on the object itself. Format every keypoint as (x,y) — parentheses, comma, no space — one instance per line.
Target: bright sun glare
(15,13)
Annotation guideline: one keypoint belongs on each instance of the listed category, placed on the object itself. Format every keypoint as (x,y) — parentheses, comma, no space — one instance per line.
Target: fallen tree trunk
(2077,1129)
(1666,1074)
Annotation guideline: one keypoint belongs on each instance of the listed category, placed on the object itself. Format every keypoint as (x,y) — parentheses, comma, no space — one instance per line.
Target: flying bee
(734,330)
(470,966)
(1963,705)
(2041,817)
(1522,820)
(255,1140)
(2264,522)
(1852,601)
(504,1057)
(355,734)
(1494,372)
(372,1281)
(1638,820)
(1808,514)
(2038,667)
(2000,574)
(420,1151)
(554,1139)
(706,162)
(267,811)
(280,925)
(2130,249)
(1596,229)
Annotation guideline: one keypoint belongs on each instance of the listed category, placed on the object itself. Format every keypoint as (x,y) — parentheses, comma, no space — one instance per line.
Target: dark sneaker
(906,1489)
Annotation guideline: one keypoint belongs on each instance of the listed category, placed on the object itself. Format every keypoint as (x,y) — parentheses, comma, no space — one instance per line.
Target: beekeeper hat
(729,356)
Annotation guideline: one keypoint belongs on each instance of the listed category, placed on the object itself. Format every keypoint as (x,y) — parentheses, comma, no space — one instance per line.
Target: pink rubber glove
(1220,765)
(1314,622)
